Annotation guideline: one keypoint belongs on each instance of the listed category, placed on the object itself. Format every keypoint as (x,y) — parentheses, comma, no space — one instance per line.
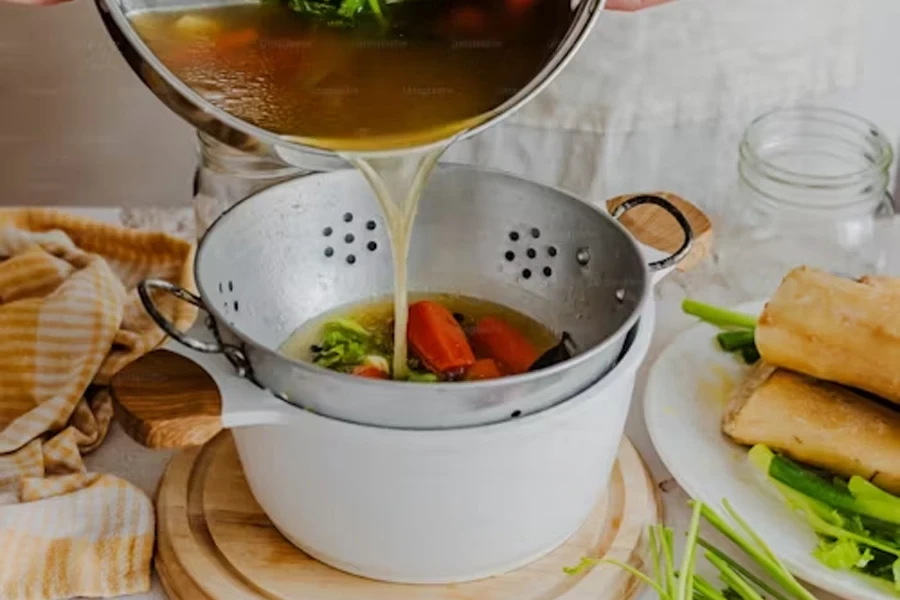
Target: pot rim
(502,382)
(582,24)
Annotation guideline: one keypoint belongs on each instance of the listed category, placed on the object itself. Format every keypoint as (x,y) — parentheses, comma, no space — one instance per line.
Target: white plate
(685,398)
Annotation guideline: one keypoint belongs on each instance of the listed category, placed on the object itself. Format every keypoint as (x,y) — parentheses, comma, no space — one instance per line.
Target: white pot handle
(243,403)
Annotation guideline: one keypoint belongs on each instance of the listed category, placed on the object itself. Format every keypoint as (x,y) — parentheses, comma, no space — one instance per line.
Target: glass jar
(225,176)
(811,190)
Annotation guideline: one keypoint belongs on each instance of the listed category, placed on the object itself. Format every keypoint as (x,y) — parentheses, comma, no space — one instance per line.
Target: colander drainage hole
(526,273)
(348,217)
(220,287)
(370,225)
(351,259)
(531,253)
(372,246)
(235,306)
(329,252)
(327,231)
(514,236)
(535,232)
(516,414)
(349,238)
(230,286)
(548,271)
(551,251)
(510,255)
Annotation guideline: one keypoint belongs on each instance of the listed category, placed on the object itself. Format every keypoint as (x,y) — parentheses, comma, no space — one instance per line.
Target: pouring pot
(303,248)
(230,130)
(396,505)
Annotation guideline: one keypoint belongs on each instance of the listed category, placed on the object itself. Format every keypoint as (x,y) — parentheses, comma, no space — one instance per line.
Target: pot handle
(677,256)
(234,354)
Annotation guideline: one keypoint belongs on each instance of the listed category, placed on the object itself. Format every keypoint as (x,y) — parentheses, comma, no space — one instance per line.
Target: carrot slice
(369,371)
(437,339)
(485,368)
(495,339)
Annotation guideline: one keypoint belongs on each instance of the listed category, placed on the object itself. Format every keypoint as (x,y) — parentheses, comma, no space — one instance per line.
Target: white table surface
(121,456)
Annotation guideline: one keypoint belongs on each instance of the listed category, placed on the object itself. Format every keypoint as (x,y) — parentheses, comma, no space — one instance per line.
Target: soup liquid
(376,315)
(443,66)
(398,183)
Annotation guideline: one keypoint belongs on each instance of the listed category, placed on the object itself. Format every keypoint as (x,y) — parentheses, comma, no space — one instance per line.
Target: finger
(35,2)
(632,5)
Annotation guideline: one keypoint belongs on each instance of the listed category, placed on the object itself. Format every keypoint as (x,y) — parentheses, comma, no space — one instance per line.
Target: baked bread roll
(835,329)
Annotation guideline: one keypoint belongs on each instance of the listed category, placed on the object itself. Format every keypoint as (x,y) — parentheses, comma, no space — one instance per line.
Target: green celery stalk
(686,574)
(716,315)
(862,488)
(762,556)
(750,354)
(730,341)
(742,571)
(732,579)
(706,590)
(785,471)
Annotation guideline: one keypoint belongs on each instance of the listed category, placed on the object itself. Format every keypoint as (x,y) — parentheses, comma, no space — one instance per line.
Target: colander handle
(677,256)
(145,287)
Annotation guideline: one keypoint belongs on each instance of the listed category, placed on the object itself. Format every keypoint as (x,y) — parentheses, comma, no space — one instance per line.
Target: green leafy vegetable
(338,13)
(858,524)
(345,344)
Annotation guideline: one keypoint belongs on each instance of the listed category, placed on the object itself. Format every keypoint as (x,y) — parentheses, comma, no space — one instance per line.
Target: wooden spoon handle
(654,227)
(164,400)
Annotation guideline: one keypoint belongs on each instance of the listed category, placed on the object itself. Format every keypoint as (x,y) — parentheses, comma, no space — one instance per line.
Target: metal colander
(302,248)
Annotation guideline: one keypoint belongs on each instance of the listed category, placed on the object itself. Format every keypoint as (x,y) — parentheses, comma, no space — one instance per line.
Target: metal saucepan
(302,248)
(200,113)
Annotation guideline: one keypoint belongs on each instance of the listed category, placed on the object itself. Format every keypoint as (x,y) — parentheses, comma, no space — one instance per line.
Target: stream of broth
(445,66)
(398,182)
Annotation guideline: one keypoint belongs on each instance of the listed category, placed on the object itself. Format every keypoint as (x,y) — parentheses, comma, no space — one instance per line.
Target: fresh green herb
(423,377)
(338,13)
(685,584)
(858,524)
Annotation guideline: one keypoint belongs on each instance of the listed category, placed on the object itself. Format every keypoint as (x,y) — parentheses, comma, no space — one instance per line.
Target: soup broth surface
(427,71)
(440,67)
(377,316)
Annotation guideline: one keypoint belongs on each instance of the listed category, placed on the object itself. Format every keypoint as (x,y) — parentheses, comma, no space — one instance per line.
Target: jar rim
(882,154)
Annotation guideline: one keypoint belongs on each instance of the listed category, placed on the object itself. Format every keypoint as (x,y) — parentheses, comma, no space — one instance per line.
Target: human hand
(632,5)
(33,2)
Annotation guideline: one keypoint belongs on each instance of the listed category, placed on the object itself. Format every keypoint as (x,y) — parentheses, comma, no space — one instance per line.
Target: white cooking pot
(436,506)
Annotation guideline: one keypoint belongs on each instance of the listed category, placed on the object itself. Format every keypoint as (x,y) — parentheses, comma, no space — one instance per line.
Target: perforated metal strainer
(302,248)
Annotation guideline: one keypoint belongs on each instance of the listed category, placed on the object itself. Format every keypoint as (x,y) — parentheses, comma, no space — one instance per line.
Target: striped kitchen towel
(70,318)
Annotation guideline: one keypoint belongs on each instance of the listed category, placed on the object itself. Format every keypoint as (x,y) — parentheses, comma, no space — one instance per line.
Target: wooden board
(215,543)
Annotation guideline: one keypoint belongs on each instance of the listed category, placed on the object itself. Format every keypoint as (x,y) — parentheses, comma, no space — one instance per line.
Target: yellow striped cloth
(70,319)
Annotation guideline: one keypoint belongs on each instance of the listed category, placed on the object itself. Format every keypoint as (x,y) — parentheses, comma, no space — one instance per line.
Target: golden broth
(377,316)
(437,71)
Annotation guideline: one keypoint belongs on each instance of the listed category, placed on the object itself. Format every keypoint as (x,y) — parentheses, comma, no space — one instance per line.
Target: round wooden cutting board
(214,542)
